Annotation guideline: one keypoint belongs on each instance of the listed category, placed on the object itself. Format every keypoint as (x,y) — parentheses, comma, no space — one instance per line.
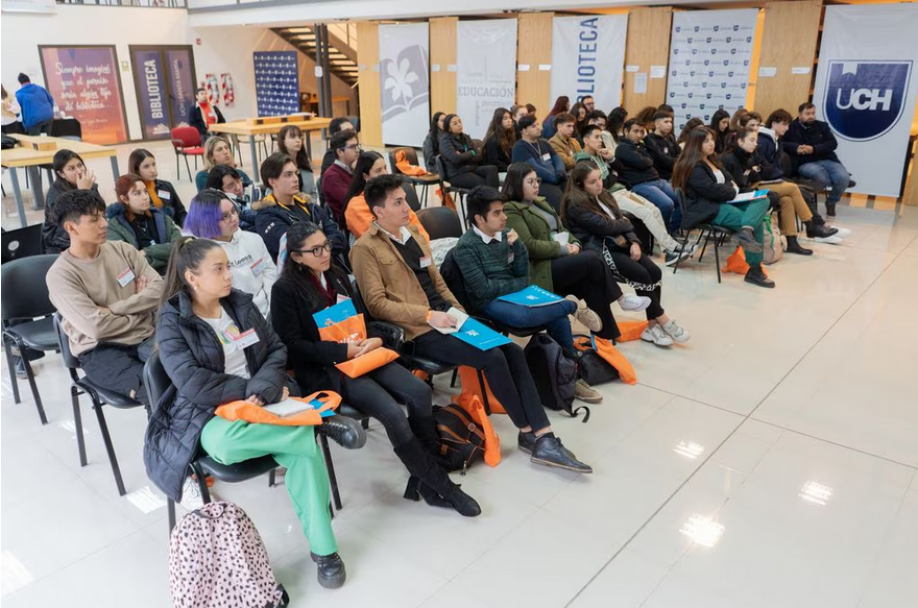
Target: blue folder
(480,336)
(335,314)
(531,296)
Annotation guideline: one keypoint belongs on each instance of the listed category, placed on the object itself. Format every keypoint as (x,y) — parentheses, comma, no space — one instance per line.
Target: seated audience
(71,174)
(640,175)
(291,141)
(598,118)
(579,112)
(531,109)
(564,143)
(212,215)
(662,146)
(107,295)
(614,125)
(594,218)
(499,140)
(557,262)
(588,102)
(201,326)
(592,151)
(337,178)
(811,144)
(720,124)
(285,205)
(562,104)
(357,214)
(464,160)
(538,154)
(401,285)
(204,114)
(431,147)
(342,123)
(134,221)
(494,263)
(217,151)
(518,111)
(226,179)
(690,125)
(311,282)
(162,193)
(645,118)
(708,189)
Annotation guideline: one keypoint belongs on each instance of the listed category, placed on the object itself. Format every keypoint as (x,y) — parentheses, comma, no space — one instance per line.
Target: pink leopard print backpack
(217,560)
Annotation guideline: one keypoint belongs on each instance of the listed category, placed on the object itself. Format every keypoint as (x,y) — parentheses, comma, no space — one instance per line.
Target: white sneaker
(676,332)
(656,335)
(830,240)
(842,232)
(632,302)
(191,495)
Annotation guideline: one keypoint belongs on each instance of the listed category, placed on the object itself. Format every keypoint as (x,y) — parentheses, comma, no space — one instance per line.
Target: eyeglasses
(533,181)
(229,215)
(316,251)
(352,147)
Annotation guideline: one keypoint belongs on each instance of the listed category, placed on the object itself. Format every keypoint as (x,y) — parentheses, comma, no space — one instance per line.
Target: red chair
(186,141)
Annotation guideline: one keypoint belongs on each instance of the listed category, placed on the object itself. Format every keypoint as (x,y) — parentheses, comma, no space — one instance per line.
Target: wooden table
(245,127)
(24,156)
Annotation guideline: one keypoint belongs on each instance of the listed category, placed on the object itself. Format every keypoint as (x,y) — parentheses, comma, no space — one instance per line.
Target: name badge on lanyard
(164,194)
(258,266)
(425,262)
(546,157)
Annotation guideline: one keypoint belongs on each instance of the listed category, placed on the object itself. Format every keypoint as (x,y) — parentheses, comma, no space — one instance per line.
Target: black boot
(427,474)
(817,231)
(344,431)
(331,570)
(830,209)
(756,276)
(794,247)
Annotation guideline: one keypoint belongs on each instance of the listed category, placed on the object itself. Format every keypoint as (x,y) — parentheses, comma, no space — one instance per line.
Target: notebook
(533,296)
(292,407)
(745,197)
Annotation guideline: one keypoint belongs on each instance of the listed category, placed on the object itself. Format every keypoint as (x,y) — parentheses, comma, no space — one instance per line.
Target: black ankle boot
(331,570)
(344,431)
(794,247)
(817,231)
(756,276)
(830,209)
(426,475)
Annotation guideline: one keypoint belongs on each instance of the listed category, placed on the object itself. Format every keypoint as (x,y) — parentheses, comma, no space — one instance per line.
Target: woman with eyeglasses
(212,215)
(311,282)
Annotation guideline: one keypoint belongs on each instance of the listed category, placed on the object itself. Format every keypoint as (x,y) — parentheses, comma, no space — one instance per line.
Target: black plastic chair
(100,396)
(26,317)
(447,188)
(440,222)
(708,232)
(424,181)
(21,243)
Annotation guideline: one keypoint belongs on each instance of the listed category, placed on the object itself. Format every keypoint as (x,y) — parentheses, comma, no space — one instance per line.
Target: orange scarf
(154,195)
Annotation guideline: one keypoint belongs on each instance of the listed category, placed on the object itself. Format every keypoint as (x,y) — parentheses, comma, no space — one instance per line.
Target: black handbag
(594,369)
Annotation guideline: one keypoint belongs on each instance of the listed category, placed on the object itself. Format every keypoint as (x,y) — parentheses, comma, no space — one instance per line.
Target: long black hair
(365,162)
(187,254)
(298,274)
(513,183)
(60,160)
(303,163)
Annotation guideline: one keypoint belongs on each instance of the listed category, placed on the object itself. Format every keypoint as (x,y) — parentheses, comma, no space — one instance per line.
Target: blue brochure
(532,296)
(480,336)
(335,314)
(316,404)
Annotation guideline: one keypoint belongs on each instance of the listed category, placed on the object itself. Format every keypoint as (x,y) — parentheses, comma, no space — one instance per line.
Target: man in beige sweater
(107,294)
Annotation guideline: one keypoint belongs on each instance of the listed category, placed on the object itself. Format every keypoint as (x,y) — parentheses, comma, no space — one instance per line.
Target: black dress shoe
(794,247)
(819,231)
(331,570)
(745,238)
(344,431)
(550,452)
(830,209)
(526,441)
(756,276)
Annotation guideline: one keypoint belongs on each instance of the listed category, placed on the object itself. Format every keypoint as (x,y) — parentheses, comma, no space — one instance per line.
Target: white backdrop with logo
(486,71)
(588,58)
(866,87)
(404,83)
(709,62)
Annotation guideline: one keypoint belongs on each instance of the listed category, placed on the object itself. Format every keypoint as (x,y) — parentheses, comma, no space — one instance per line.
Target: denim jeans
(552,316)
(661,193)
(828,173)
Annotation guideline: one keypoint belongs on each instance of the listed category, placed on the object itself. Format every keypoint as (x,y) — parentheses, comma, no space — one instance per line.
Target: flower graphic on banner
(404,81)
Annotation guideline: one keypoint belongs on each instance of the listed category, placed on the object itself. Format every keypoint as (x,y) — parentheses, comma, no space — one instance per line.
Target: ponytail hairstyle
(298,274)
(364,163)
(187,254)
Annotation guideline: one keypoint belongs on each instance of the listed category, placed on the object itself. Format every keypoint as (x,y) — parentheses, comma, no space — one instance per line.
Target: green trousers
(293,447)
(750,214)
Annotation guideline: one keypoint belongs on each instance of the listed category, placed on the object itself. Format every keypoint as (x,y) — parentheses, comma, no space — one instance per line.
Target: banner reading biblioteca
(404,83)
(486,66)
(866,89)
(709,60)
(588,58)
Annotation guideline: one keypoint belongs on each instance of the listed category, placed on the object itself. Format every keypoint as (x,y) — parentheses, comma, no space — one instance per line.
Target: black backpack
(555,374)
(462,441)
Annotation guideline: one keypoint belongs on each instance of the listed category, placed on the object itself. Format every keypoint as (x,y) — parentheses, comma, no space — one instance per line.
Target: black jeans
(119,367)
(485,175)
(587,276)
(42,127)
(644,276)
(504,368)
(379,393)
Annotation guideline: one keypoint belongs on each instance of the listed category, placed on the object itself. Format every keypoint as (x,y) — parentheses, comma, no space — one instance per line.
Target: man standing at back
(37,107)
(812,145)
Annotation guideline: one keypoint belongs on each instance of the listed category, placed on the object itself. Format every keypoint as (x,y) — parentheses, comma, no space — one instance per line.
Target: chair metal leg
(78,424)
(707,239)
(9,363)
(201,477)
(452,383)
(31,376)
(685,241)
(717,260)
(188,168)
(484,392)
(332,476)
(272,478)
(107,439)
(170,508)
(178,167)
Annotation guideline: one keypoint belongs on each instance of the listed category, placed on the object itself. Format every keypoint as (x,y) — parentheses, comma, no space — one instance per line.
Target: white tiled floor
(789,424)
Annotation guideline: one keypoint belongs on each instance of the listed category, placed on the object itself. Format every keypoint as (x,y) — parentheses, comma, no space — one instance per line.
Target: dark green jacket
(487,271)
(535,234)
(119,229)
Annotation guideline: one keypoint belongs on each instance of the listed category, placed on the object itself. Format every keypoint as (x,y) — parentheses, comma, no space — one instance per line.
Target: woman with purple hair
(212,215)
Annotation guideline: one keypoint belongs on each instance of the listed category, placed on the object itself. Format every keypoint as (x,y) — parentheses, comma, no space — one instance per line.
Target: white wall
(222,49)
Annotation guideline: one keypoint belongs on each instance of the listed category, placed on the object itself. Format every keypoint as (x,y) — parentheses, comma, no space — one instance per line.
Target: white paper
(640,83)
(544,67)
(658,71)
(562,238)
(523,67)
(800,70)
(288,407)
(457,314)
(434,67)
(452,67)
(768,72)
(742,198)
(632,68)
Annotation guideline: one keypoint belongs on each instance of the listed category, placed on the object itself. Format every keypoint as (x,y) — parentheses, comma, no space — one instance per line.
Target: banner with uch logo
(866,89)
(588,58)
